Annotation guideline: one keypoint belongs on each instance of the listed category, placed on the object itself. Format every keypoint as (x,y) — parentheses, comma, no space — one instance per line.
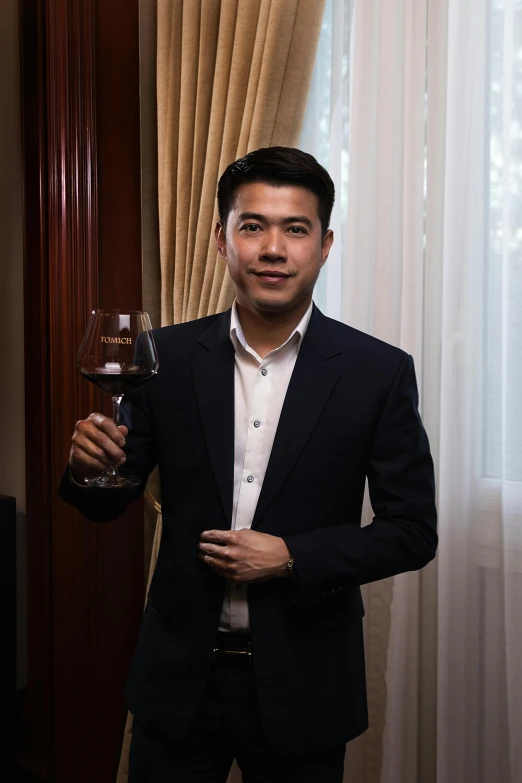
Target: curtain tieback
(152,500)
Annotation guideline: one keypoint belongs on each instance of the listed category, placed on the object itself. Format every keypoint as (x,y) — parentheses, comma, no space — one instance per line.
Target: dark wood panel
(35,702)
(118,151)
(119,600)
(82,204)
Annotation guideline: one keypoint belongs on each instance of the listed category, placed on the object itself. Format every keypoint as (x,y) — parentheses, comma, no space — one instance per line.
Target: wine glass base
(107,481)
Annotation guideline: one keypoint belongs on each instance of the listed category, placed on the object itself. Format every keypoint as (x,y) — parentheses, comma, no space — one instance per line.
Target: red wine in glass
(118,354)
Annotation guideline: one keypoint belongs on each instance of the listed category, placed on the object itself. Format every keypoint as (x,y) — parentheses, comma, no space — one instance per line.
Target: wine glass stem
(113,470)
(116,408)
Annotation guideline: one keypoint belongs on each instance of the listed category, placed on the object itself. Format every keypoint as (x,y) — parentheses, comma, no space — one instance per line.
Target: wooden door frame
(82,249)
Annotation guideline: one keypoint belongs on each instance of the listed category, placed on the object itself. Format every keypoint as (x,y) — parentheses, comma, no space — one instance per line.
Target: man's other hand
(97,444)
(244,555)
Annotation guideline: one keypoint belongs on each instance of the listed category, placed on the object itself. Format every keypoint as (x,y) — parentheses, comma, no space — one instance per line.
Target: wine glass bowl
(117,354)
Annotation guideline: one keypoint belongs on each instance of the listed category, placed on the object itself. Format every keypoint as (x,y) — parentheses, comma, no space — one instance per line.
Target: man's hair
(277,166)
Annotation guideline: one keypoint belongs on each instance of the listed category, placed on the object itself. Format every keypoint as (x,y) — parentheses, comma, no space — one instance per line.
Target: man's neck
(264,332)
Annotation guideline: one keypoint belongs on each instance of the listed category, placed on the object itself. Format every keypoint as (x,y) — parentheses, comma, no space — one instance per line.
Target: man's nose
(274,246)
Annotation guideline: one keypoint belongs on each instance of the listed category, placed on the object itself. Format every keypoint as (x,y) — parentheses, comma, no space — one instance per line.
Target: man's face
(273,245)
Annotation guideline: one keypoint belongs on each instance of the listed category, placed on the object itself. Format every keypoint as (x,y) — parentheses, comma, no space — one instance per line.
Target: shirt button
(250,479)
(264,371)
(239,587)
(257,423)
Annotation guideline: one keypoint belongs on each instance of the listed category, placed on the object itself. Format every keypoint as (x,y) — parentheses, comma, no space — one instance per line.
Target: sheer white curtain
(480,575)
(416,110)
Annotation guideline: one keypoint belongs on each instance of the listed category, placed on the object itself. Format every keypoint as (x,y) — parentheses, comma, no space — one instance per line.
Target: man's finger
(216,536)
(96,418)
(106,425)
(87,448)
(88,463)
(215,550)
(115,434)
(101,440)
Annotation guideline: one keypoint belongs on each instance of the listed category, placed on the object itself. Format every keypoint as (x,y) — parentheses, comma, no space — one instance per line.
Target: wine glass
(117,354)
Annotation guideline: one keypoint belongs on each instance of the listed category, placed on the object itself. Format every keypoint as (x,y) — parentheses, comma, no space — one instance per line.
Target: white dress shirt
(260,388)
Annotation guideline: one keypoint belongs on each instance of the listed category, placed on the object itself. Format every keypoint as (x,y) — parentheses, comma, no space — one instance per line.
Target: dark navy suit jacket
(350,414)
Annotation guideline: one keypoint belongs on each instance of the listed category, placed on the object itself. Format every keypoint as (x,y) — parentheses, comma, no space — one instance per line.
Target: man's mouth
(271,273)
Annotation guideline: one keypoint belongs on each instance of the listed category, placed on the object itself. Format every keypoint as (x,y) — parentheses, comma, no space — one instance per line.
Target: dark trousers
(228,726)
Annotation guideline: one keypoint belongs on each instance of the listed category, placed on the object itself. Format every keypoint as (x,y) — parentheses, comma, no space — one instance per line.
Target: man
(266,421)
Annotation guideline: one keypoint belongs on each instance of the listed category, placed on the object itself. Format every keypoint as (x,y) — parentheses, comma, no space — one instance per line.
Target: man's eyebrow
(298,219)
(252,216)
(263,218)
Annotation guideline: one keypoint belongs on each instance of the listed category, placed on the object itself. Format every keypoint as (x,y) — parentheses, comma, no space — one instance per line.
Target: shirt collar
(237,336)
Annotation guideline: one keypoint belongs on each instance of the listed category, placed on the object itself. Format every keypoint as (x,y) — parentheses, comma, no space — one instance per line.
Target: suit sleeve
(402,535)
(104,505)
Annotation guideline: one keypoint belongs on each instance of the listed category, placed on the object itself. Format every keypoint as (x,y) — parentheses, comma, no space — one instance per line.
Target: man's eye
(297,230)
(250,228)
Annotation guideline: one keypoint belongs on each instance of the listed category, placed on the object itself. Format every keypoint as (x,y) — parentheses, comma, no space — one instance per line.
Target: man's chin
(274,307)
(270,304)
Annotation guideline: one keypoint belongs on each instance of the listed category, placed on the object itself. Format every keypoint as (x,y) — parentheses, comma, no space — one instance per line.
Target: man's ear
(327,243)
(219,234)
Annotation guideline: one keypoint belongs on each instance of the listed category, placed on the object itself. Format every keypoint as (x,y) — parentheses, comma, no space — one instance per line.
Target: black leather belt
(233,648)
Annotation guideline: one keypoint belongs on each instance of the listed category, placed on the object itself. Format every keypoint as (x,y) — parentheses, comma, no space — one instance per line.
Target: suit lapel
(311,384)
(213,373)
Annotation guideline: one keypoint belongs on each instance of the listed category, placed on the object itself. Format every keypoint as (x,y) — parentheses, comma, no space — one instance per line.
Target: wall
(12,431)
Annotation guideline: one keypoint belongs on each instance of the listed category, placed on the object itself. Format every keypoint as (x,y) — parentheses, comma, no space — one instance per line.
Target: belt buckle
(239,655)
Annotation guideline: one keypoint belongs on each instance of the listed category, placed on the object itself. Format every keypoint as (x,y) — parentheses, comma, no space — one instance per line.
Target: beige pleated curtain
(232,76)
